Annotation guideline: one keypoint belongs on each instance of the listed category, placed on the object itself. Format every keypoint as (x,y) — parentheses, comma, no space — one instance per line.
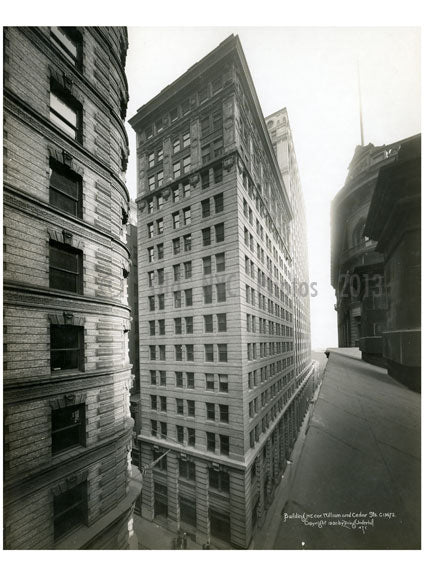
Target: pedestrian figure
(185,540)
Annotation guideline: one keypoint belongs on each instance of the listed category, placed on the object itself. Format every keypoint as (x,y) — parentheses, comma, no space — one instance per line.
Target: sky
(313,72)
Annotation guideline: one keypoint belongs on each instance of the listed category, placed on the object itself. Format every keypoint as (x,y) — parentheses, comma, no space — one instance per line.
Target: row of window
(184,108)
(186,434)
(159,299)
(218,479)
(158,276)
(157,327)
(259,376)
(267,304)
(264,349)
(185,352)
(188,408)
(189,379)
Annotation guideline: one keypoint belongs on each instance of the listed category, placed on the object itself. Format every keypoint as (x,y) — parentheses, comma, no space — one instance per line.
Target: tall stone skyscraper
(220,397)
(68,481)
(282,141)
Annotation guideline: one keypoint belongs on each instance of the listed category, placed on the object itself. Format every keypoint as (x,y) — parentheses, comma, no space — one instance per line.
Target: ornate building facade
(220,400)
(68,481)
(357,269)
(394,222)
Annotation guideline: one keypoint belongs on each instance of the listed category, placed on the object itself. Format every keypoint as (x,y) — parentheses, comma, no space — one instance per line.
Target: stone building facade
(282,141)
(394,222)
(68,481)
(357,270)
(219,395)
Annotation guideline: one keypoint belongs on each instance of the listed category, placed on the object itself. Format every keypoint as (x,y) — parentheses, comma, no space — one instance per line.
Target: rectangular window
(151,254)
(210,382)
(65,190)
(162,378)
(69,509)
(189,352)
(204,177)
(65,113)
(159,177)
(191,432)
(176,147)
(70,45)
(186,139)
(207,265)
(162,354)
(152,352)
(152,183)
(159,155)
(186,164)
(223,383)
(187,470)
(68,427)
(159,224)
(176,246)
(206,236)
(217,173)
(161,301)
(187,216)
(151,303)
(154,427)
(180,406)
(152,328)
(163,404)
(177,272)
(222,322)
(210,441)
(187,270)
(153,402)
(66,347)
(220,262)
(209,353)
(224,442)
(219,232)
(176,220)
(210,411)
(186,189)
(222,353)
(150,230)
(177,325)
(175,193)
(208,323)
(219,203)
(190,380)
(207,294)
(189,325)
(177,299)
(65,267)
(221,293)
(178,352)
(187,243)
(223,413)
(153,380)
(176,168)
(188,297)
(206,208)
(179,379)
(151,278)
(163,430)
(180,434)
(161,275)
(220,480)
(190,408)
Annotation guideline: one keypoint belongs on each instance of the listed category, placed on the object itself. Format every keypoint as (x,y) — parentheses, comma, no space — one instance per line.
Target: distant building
(394,222)
(68,481)
(222,398)
(357,269)
(282,141)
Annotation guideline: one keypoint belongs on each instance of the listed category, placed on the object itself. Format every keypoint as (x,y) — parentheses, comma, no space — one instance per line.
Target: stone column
(172,485)
(147,492)
(241,524)
(260,479)
(202,503)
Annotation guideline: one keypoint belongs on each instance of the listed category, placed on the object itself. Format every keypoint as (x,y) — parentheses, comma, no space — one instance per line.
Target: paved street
(359,464)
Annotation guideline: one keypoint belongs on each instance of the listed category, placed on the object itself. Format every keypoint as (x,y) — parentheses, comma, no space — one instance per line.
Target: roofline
(230,45)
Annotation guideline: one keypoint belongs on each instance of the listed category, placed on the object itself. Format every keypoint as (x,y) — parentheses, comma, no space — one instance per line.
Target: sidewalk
(153,536)
(358,473)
